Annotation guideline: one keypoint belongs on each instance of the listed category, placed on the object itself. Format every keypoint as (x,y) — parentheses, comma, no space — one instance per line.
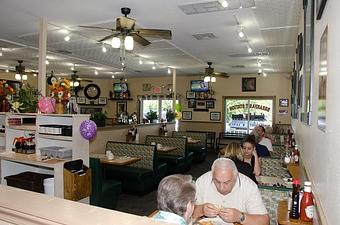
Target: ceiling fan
(75,82)
(125,26)
(209,72)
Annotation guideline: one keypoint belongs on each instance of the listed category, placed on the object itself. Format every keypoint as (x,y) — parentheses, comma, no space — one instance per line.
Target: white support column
(174,88)
(42,56)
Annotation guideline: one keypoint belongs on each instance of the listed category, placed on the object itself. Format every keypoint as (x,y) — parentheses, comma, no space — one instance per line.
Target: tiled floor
(144,205)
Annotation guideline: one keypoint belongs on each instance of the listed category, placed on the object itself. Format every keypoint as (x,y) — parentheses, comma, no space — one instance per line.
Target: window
(158,105)
(242,115)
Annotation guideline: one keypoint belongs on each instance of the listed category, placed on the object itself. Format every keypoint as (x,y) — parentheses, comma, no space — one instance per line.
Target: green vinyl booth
(104,192)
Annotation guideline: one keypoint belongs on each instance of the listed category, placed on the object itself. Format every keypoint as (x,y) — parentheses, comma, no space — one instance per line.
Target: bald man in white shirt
(227,196)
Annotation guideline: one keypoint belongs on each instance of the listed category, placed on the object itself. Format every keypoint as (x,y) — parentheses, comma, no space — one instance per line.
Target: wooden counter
(283,217)
(18,206)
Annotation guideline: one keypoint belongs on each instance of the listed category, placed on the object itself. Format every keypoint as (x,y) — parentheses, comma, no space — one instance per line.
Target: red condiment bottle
(307,204)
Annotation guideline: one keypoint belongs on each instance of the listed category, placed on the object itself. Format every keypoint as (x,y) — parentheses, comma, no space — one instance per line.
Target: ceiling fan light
(241,34)
(115,42)
(128,43)
(213,79)
(76,83)
(169,70)
(24,77)
(7,70)
(207,79)
(17,76)
(0,53)
(95,72)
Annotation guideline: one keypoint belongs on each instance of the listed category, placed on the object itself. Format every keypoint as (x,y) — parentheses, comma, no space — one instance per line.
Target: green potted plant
(99,118)
(151,116)
(170,115)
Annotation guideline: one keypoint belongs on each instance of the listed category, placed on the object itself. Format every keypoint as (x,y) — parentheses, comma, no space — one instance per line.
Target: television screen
(120,87)
(199,86)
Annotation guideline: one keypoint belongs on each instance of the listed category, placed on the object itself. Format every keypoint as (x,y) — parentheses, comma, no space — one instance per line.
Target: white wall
(321,150)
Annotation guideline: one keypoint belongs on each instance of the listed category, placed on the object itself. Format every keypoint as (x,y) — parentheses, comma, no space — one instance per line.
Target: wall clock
(92,91)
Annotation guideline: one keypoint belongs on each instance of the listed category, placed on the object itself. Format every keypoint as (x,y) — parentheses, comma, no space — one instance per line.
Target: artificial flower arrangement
(61,90)
(5,90)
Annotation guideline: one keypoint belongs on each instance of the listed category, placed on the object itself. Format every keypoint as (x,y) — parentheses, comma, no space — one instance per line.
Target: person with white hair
(227,196)
(175,199)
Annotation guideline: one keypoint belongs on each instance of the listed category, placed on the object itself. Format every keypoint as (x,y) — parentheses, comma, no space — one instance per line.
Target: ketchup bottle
(307,204)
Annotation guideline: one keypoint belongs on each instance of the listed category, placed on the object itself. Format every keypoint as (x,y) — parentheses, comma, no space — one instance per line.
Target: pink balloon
(46,105)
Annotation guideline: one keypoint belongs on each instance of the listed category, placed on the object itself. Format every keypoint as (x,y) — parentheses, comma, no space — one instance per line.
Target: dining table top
(283,215)
(166,149)
(117,160)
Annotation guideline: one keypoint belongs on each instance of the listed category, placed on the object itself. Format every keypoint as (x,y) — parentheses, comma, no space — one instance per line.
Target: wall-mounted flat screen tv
(199,86)
(120,87)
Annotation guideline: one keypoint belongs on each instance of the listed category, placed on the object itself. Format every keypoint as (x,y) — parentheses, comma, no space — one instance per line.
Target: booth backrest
(178,142)
(194,135)
(271,198)
(145,152)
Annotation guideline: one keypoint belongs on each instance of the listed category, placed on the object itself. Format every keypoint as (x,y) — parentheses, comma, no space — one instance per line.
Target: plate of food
(211,221)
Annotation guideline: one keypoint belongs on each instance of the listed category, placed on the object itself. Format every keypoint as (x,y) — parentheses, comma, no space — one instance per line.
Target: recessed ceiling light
(153,67)
(113,76)
(241,7)
(7,70)
(96,72)
(104,49)
(260,70)
(264,74)
(169,70)
(47,62)
(67,38)
(241,34)
(223,3)
(72,68)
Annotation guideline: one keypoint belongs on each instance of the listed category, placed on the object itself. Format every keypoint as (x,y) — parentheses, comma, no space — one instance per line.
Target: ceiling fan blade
(85,80)
(139,39)
(107,37)
(101,28)
(165,34)
(222,74)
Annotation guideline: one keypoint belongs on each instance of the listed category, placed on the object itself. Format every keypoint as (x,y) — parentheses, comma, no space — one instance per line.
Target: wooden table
(283,216)
(117,160)
(294,170)
(193,141)
(166,149)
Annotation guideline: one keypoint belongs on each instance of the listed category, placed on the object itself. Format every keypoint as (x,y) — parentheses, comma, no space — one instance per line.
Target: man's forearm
(256,219)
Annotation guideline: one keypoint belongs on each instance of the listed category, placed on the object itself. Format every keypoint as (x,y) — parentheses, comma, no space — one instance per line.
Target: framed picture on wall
(121,107)
(102,101)
(81,100)
(320,6)
(283,102)
(191,95)
(191,103)
(215,116)
(249,84)
(187,115)
(210,104)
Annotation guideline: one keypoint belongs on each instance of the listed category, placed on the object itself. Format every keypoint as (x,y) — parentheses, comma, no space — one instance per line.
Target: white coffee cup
(159,146)
(110,156)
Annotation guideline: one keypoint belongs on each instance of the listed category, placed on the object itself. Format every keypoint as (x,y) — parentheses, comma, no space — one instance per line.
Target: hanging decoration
(88,129)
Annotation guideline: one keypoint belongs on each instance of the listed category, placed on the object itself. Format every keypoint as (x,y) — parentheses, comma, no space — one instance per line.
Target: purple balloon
(88,129)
